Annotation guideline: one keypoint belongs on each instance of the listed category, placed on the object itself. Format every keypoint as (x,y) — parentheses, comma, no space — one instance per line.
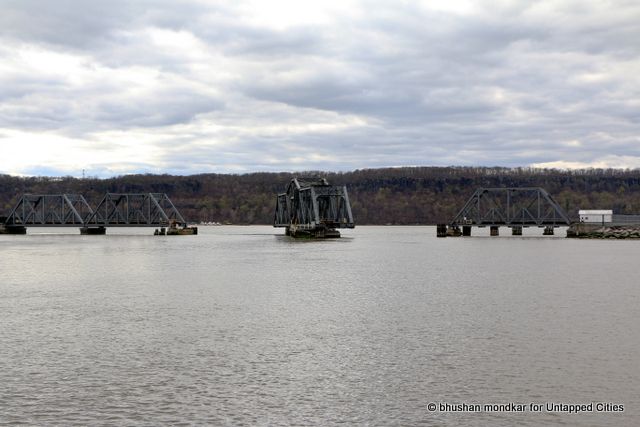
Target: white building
(595,216)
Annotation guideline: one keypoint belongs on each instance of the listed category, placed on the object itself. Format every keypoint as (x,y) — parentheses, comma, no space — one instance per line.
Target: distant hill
(406,195)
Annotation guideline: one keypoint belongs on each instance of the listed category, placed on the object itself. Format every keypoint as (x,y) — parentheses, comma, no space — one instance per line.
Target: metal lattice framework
(527,206)
(310,203)
(137,210)
(115,210)
(50,210)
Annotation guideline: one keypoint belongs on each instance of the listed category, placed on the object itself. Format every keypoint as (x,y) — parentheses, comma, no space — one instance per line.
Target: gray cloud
(213,89)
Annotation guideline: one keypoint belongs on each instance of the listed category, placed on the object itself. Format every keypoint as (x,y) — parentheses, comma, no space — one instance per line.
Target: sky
(115,87)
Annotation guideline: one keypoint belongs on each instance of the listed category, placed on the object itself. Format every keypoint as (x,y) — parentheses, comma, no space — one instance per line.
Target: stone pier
(12,229)
(93,231)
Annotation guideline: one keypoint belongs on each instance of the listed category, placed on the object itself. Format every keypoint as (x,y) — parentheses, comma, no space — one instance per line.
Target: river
(244,326)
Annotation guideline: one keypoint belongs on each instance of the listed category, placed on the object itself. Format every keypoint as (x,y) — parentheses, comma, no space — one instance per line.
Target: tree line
(406,195)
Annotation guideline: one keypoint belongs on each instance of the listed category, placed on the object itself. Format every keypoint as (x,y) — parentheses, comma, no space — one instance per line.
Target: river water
(244,326)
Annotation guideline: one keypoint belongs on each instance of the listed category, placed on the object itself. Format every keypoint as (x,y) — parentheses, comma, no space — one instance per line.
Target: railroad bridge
(311,207)
(114,210)
(513,207)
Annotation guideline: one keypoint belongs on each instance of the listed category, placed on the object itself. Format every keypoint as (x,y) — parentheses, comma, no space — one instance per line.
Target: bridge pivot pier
(319,232)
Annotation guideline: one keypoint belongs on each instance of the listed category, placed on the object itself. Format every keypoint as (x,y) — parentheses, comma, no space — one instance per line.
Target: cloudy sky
(166,86)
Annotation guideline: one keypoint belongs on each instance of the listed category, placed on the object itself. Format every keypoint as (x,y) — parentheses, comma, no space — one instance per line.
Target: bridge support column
(453,231)
(494,230)
(516,230)
(13,229)
(466,230)
(93,231)
(548,231)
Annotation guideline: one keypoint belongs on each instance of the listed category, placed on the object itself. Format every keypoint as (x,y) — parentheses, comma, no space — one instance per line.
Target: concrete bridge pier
(454,231)
(93,231)
(12,229)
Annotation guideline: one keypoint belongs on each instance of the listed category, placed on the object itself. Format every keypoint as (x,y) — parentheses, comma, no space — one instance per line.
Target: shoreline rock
(598,231)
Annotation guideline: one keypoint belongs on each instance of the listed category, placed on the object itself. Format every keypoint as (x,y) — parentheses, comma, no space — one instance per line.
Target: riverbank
(599,231)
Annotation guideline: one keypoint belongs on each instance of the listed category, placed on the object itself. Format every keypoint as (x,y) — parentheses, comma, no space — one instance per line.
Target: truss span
(135,210)
(49,210)
(114,210)
(513,207)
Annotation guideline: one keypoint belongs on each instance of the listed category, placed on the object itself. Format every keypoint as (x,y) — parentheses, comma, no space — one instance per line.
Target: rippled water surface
(244,326)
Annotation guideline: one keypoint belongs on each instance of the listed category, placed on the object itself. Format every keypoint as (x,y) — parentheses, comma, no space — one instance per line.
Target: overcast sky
(166,86)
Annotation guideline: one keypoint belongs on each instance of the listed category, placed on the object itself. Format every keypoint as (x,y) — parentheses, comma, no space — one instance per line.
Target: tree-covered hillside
(408,195)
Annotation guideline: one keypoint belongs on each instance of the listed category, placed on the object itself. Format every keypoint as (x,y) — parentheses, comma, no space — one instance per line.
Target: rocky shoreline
(597,231)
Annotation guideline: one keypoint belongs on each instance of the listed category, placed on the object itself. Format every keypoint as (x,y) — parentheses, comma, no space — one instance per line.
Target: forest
(404,195)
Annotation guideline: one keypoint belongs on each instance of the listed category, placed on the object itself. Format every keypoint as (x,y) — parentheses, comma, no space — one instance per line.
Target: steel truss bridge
(312,207)
(514,207)
(114,210)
